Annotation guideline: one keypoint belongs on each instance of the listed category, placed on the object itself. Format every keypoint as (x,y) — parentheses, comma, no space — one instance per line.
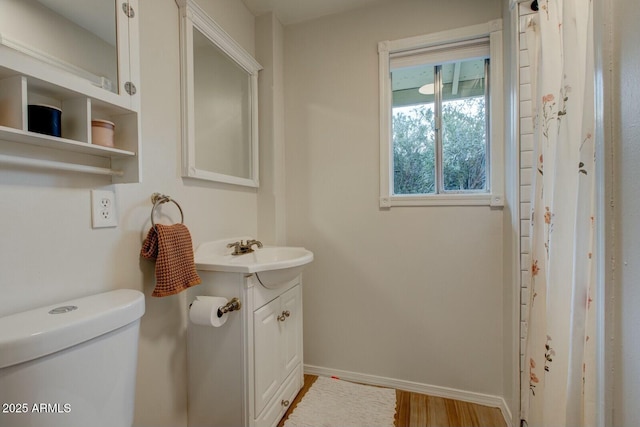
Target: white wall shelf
(38,139)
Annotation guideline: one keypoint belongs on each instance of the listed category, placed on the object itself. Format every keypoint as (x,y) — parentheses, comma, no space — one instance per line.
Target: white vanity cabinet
(247,371)
(84,62)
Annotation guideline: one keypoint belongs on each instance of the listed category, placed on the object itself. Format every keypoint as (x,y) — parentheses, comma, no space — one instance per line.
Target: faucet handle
(235,246)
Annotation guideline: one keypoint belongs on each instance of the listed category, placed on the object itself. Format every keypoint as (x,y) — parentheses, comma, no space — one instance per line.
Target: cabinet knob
(284,315)
(284,403)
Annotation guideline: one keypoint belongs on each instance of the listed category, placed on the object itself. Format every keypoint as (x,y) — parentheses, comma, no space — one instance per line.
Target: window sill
(485,199)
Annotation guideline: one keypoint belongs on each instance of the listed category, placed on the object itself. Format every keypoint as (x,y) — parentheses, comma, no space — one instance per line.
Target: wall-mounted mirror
(85,35)
(219,102)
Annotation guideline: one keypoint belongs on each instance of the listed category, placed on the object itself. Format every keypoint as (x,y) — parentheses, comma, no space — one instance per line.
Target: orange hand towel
(171,247)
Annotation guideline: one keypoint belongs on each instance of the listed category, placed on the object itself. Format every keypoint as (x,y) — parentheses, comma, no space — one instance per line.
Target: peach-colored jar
(102,132)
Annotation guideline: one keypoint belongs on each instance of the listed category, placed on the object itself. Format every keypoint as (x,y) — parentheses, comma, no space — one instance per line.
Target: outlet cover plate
(103,209)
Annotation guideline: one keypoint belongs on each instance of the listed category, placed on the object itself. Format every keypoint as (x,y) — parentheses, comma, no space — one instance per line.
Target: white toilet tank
(71,364)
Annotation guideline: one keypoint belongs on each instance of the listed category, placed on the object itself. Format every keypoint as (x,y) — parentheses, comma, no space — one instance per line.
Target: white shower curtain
(558,384)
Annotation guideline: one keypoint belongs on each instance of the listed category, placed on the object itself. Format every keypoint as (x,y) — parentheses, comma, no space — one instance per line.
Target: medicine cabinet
(79,56)
(219,102)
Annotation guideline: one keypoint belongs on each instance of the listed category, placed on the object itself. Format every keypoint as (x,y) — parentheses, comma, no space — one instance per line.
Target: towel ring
(157,199)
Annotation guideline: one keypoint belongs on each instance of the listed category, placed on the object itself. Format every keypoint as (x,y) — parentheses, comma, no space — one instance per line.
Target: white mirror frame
(192,16)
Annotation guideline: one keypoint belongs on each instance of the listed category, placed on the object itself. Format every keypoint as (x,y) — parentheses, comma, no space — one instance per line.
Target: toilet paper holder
(233,305)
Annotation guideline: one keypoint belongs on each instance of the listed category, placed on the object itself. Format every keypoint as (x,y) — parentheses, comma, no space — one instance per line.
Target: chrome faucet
(240,248)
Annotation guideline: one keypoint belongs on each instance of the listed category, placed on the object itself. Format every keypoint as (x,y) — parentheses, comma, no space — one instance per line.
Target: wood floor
(419,410)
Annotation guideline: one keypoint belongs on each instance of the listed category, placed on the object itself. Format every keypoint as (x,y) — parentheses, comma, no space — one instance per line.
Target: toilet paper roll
(204,311)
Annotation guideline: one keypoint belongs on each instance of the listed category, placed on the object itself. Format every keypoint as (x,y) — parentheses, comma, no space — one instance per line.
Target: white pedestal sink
(273,266)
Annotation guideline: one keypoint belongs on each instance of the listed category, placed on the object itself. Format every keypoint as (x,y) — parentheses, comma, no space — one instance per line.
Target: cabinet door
(267,362)
(291,302)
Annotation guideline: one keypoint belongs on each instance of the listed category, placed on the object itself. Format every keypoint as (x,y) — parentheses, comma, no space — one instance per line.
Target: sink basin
(273,266)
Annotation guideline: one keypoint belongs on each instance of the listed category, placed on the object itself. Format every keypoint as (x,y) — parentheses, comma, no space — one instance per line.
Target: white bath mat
(335,403)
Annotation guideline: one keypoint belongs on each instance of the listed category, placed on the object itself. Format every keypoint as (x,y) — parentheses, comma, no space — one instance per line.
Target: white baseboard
(432,390)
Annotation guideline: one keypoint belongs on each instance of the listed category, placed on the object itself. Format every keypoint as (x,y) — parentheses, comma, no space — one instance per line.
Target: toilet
(71,364)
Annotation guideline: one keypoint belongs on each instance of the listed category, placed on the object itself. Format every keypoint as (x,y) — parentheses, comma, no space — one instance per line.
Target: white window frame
(494,197)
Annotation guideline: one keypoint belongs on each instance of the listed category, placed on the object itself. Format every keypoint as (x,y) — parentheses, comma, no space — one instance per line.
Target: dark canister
(45,119)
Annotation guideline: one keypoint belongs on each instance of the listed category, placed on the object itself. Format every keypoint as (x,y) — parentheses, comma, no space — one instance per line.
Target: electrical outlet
(103,209)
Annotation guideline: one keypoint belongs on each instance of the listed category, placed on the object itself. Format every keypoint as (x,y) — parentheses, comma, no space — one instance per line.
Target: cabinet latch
(128,10)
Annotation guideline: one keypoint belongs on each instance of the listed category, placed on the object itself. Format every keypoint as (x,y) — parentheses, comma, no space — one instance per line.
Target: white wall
(272,193)
(625,91)
(49,253)
(414,294)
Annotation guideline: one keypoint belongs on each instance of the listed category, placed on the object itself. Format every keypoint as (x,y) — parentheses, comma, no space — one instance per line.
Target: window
(441,118)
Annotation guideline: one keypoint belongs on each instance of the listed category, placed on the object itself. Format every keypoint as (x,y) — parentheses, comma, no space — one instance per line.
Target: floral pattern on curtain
(558,384)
